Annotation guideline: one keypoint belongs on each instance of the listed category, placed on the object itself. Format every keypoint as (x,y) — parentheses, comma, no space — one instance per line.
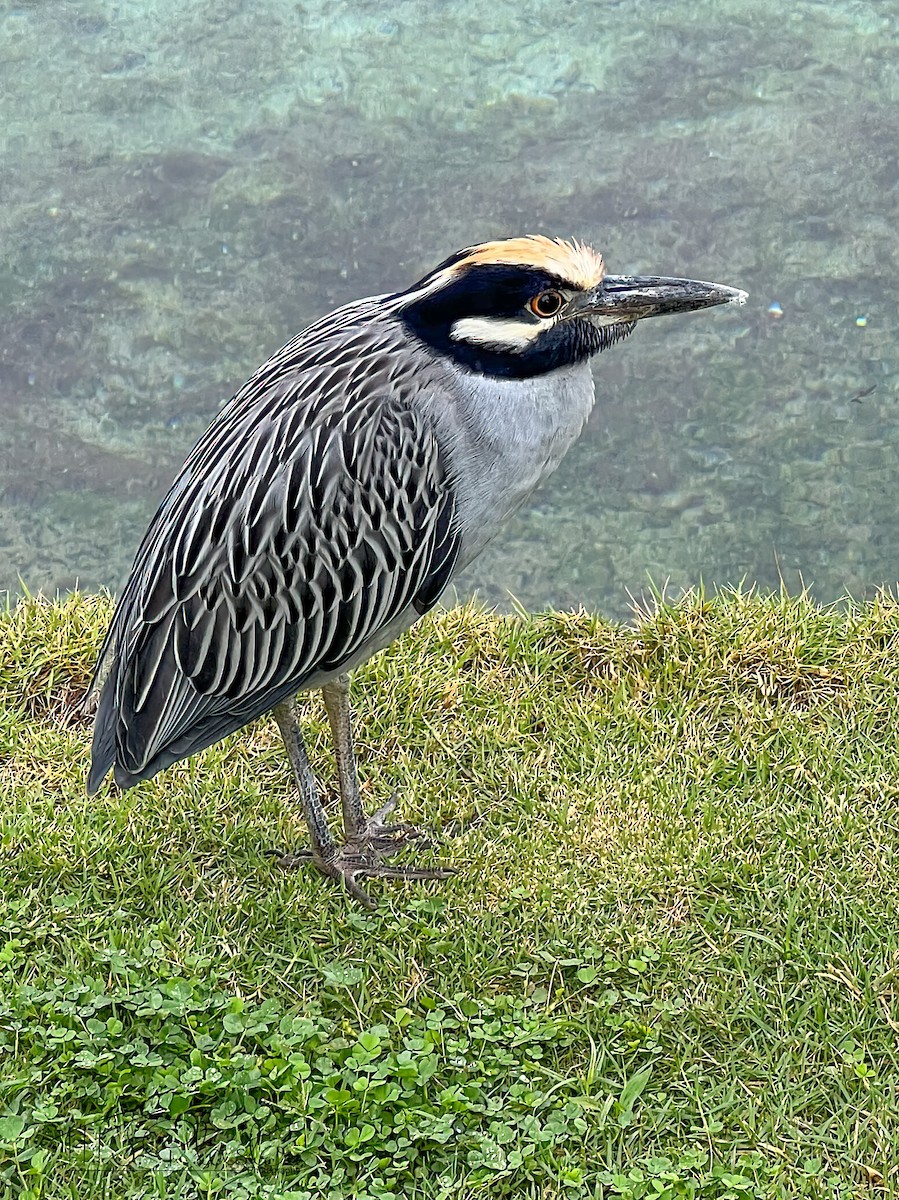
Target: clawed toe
(369,840)
(379,817)
(387,838)
(349,864)
(364,858)
(289,858)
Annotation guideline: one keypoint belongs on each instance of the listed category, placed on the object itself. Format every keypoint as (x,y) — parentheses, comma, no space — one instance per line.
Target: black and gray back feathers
(310,516)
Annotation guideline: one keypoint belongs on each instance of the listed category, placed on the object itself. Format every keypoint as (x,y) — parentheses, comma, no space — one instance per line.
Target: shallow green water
(183,186)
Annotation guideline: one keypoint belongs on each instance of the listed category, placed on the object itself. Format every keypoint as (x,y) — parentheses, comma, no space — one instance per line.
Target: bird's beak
(628,298)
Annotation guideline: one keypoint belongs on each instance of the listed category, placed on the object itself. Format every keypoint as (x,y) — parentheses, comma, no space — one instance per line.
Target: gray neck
(502,438)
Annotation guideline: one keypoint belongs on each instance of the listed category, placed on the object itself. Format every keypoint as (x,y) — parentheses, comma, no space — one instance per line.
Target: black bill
(633,297)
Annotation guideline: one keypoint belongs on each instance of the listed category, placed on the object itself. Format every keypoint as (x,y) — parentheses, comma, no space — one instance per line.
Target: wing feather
(315,510)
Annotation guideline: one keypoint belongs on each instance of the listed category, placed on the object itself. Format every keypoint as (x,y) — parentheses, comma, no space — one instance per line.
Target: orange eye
(547,304)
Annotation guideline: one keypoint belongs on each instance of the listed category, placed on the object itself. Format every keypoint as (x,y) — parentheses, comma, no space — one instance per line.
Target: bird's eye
(547,304)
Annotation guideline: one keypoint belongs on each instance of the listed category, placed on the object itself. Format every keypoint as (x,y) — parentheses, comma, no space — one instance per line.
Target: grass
(668,965)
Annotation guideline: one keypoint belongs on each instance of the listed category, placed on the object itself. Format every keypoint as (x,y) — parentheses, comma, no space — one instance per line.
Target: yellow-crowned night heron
(329,504)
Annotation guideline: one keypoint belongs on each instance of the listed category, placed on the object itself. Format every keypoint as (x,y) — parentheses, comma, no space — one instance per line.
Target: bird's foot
(351,862)
(385,838)
(363,853)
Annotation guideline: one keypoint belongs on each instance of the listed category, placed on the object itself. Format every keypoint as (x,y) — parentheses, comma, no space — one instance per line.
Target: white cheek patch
(512,336)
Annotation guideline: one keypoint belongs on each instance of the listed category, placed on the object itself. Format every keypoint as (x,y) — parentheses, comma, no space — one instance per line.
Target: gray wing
(312,513)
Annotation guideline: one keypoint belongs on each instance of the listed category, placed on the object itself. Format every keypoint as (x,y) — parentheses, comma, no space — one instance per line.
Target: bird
(329,504)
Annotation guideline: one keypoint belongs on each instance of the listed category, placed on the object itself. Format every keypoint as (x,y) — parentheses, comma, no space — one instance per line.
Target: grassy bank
(666,967)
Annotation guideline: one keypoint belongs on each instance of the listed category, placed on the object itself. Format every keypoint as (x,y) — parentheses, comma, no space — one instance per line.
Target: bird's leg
(362,854)
(336,696)
(323,845)
(360,830)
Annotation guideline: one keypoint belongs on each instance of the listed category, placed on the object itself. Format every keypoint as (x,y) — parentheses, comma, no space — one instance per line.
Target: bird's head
(529,305)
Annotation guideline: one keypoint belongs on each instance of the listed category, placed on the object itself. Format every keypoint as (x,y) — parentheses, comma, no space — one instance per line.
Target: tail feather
(103,745)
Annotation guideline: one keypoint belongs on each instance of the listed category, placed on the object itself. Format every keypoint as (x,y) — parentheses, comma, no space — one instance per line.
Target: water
(182,187)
